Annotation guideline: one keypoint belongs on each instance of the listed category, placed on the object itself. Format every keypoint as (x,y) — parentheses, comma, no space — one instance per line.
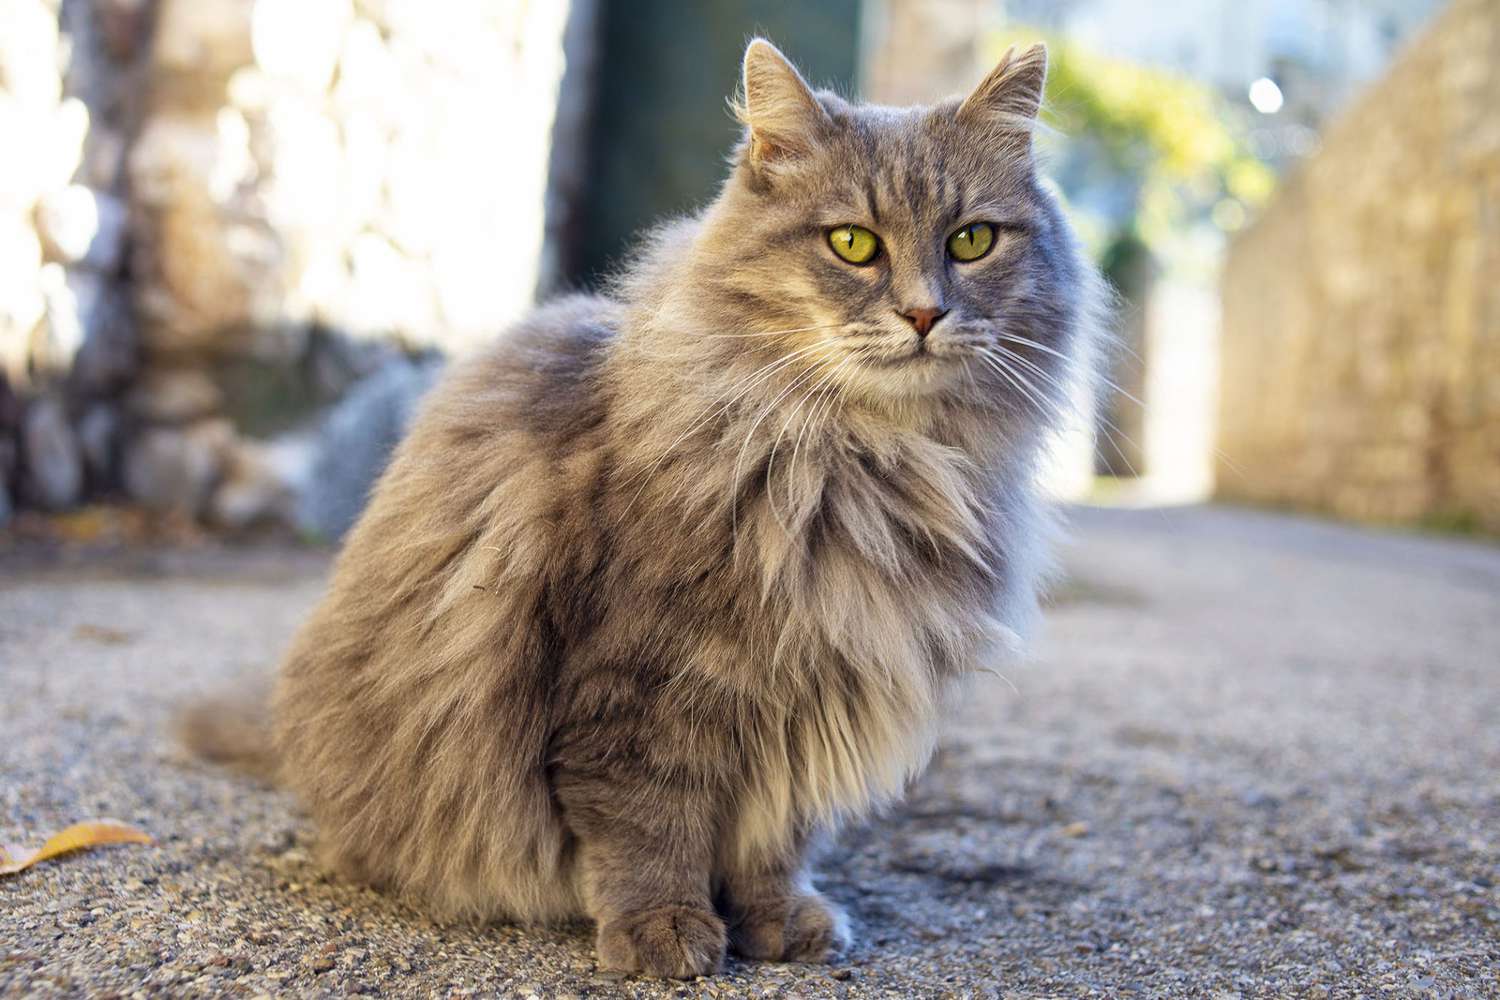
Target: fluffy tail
(234,731)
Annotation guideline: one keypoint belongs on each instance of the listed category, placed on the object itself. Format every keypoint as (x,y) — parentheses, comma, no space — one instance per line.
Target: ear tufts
(1011,95)
(779,108)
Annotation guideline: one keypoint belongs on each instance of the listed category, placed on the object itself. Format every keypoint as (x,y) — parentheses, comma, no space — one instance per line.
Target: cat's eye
(856,244)
(971,242)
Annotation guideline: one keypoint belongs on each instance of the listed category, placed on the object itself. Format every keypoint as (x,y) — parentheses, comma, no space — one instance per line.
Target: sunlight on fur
(668,583)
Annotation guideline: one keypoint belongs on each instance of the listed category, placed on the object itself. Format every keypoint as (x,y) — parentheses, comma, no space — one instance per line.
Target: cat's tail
(233,730)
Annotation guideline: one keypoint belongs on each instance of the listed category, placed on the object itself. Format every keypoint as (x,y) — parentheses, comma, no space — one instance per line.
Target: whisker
(1044,409)
(1103,379)
(735,392)
(1056,384)
(1099,417)
(1010,683)
(1109,383)
(785,425)
(820,392)
(770,333)
(740,457)
(828,393)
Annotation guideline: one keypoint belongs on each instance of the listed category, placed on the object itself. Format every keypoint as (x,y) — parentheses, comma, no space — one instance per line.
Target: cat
(667,584)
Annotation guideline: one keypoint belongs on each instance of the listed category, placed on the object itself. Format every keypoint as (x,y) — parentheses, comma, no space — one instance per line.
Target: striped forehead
(902,173)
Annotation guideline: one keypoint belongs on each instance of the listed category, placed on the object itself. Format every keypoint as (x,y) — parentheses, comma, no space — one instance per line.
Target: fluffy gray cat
(669,583)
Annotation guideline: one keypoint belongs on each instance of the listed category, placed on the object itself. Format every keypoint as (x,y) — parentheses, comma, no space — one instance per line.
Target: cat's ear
(1010,97)
(779,110)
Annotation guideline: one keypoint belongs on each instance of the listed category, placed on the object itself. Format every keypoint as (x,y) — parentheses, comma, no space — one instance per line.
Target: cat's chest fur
(885,576)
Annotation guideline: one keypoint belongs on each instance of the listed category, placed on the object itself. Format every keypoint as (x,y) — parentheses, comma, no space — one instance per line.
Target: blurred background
(238,238)
(1253,754)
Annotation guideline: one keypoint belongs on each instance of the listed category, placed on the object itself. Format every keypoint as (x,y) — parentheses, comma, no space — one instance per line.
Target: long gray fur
(667,584)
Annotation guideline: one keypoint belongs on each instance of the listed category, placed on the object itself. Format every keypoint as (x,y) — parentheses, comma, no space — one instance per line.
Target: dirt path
(1255,756)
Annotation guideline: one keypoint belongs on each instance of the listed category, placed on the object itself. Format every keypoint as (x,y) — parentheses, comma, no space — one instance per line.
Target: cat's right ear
(1007,101)
(782,116)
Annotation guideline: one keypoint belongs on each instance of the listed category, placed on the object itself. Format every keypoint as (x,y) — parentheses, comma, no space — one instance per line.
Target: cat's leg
(774,912)
(645,845)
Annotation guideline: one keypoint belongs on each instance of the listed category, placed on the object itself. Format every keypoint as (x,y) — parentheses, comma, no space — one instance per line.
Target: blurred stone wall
(70,100)
(1361,351)
(217,216)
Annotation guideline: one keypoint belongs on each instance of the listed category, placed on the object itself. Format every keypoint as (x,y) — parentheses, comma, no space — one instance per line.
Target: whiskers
(770,333)
(820,364)
(742,388)
(820,395)
(1049,403)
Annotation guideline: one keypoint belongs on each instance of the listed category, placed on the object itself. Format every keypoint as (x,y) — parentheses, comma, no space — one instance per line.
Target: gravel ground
(1255,756)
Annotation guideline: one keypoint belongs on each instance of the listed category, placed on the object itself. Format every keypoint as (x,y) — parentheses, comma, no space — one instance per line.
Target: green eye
(972,241)
(856,244)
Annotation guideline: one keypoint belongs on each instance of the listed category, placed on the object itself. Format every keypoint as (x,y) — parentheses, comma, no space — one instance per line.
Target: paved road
(1255,756)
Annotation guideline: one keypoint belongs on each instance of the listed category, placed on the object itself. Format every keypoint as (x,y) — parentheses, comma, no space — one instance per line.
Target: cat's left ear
(783,116)
(1010,97)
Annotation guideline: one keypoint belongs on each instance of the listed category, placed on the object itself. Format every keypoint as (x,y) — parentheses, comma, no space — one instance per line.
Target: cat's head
(906,252)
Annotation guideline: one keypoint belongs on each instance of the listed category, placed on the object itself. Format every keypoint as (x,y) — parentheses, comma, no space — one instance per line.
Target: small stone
(103,157)
(355,441)
(175,469)
(53,459)
(1079,829)
(252,490)
(174,396)
(28,55)
(98,433)
(79,225)
(201,42)
(107,358)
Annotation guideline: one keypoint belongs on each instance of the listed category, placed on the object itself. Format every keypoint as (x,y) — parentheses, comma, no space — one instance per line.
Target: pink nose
(923,319)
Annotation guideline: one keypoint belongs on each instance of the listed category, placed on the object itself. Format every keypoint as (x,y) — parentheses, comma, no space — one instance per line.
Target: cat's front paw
(676,941)
(792,929)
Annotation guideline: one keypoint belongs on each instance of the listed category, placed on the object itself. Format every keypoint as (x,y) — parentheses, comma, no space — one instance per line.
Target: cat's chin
(913,376)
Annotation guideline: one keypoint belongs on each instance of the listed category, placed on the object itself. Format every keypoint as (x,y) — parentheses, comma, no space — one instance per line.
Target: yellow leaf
(75,838)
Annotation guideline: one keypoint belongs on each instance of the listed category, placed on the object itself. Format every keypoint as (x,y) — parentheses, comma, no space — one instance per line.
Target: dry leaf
(90,524)
(75,838)
(1079,829)
(103,634)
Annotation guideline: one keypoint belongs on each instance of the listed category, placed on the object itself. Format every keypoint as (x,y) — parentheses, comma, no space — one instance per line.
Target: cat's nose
(923,320)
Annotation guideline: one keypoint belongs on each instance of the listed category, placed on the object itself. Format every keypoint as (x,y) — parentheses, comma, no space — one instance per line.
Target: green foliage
(1165,140)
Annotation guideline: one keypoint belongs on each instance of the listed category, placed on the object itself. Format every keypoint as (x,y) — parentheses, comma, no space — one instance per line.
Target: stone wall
(1361,353)
(69,101)
(226,213)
